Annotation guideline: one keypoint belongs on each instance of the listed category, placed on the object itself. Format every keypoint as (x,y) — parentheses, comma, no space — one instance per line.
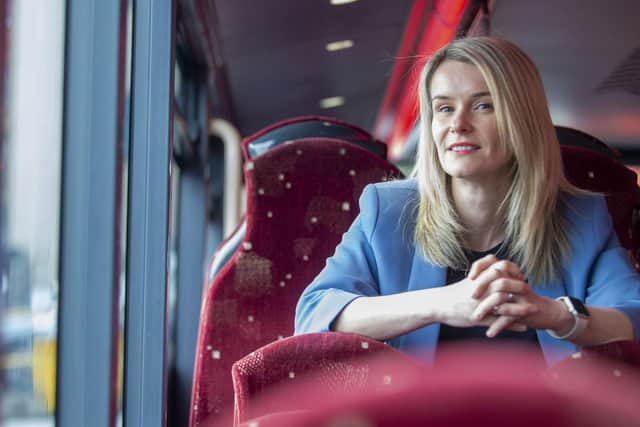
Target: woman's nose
(460,123)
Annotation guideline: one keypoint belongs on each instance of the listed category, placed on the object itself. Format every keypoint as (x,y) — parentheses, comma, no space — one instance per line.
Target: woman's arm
(605,325)
(386,317)
(389,316)
(611,287)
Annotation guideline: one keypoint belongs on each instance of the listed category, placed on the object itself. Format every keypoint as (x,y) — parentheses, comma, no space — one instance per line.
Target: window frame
(86,389)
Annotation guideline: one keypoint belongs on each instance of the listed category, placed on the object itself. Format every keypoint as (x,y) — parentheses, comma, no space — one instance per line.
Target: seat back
(302,195)
(282,133)
(589,170)
(582,170)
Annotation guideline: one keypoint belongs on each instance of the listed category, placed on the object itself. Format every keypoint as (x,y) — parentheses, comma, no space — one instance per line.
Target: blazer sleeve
(350,273)
(614,282)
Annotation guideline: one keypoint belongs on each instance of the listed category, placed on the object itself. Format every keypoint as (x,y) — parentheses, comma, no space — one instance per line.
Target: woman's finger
(501,269)
(510,269)
(515,325)
(480,265)
(491,302)
(517,310)
(508,284)
(500,324)
(483,280)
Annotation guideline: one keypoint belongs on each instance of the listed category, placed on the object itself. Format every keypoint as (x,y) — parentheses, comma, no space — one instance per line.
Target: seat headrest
(572,137)
(310,127)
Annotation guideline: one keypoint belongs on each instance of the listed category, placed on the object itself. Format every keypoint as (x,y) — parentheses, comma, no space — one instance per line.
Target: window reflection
(30,207)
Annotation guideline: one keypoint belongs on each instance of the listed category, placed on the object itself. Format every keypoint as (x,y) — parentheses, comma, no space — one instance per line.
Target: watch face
(579,306)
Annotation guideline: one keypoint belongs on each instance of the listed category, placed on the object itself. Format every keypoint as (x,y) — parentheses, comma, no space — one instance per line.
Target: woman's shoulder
(390,196)
(583,204)
(585,211)
(389,204)
(395,189)
(582,199)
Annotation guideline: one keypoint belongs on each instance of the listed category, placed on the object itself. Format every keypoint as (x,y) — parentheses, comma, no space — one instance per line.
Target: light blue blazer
(377,257)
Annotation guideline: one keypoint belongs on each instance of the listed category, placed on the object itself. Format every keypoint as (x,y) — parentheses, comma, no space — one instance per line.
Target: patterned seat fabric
(336,362)
(302,195)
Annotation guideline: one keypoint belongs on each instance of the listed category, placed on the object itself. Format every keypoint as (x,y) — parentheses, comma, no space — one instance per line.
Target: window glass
(30,174)
(173,260)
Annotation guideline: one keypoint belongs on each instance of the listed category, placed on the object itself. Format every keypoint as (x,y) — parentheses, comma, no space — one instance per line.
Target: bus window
(30,206)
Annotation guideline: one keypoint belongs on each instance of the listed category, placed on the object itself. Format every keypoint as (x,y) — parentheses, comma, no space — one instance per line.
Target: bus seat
(338,361)
(589,170)
(302,194)
(576,138)
(280,133)
(627,227)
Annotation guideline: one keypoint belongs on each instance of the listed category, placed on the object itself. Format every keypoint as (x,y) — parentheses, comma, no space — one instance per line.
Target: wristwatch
(580,316)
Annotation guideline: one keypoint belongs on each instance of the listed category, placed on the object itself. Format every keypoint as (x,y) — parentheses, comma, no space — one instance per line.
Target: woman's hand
(463,304)
(510,299)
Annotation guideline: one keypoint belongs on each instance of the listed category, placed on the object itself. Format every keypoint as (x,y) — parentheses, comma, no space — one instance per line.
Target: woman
(487,239)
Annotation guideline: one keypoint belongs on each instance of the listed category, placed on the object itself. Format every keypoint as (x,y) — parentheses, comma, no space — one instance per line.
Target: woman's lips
(461,147)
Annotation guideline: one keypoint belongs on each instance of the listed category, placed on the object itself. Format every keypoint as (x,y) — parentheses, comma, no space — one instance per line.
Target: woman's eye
(484,106)
(444,109)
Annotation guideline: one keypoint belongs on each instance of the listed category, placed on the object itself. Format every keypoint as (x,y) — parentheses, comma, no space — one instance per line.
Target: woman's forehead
(455,78)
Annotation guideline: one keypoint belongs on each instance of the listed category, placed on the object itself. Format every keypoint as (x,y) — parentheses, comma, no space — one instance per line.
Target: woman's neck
(477,205)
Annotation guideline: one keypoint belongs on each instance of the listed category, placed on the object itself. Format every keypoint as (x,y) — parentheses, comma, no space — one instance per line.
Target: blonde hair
(531,212)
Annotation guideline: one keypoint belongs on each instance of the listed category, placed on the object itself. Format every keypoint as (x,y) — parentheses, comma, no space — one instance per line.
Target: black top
(450,334)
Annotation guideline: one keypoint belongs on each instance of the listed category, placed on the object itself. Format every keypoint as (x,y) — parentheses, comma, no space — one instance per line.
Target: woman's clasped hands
(495,294)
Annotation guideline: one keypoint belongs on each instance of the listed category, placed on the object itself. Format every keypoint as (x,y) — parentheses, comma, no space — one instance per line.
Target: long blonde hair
(535,234)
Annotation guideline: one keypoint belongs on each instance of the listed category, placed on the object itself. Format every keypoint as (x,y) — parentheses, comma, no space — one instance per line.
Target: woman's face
(464,124)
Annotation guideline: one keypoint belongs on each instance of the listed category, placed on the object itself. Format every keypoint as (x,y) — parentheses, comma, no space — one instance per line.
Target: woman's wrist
(563,320)
(430,305)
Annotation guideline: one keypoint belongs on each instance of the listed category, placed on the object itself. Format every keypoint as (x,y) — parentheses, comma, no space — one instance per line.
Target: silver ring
(509,297)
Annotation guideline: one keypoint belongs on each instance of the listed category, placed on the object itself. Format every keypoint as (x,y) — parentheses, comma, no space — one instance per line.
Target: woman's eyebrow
(473,95)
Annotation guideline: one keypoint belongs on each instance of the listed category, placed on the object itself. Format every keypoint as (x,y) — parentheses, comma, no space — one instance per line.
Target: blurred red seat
(338,363)
(475,386)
